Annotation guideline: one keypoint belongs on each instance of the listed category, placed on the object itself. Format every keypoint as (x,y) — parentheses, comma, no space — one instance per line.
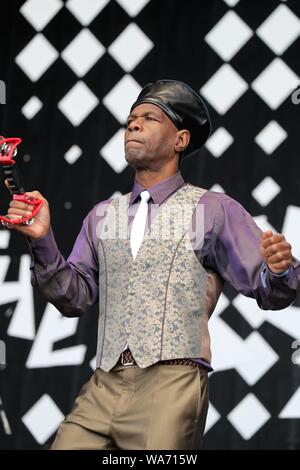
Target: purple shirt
(230,248)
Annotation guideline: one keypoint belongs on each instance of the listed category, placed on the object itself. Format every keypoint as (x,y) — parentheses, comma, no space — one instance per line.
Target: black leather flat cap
(185,108)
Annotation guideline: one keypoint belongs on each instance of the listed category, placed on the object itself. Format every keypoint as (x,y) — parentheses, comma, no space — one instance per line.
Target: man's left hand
(276,252)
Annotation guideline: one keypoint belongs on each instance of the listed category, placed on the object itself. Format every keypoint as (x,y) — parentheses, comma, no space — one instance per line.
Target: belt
(127,359)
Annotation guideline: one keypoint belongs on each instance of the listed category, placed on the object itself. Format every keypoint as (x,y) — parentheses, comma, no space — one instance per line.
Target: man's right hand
(41,224)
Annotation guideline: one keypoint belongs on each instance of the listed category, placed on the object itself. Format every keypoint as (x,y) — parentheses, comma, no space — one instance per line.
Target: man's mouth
(134,141)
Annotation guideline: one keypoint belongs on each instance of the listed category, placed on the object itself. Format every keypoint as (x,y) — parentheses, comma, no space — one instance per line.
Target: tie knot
(145,196)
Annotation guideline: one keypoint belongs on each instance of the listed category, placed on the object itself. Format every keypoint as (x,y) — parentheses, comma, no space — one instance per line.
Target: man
(157,287)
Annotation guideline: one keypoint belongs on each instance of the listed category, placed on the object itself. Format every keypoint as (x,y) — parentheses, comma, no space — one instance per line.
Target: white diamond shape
(266,191)
(280,29)
(248,416)
(231,3)
(113,152)
(217,188)
(249,309)
(222,304)
(120,98)
(212,417)
(224,88)
(291,228)
(270,137)
(130,47)
(292,408)
(229,35)
(38,13)
(93,363)
(43,419)
(219,141)
(287,320)
(32,107)
(116,194)
(263,357)
(72,155)
(133,7)
(36,57)
(78,103)
(4,239)
(85,11)
(275,83)
(83,52)
(263,223)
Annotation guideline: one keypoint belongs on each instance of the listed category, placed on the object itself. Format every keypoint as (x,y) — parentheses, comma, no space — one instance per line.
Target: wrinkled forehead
(147,108)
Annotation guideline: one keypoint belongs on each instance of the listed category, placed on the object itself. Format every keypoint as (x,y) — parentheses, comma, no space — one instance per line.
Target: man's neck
(147,178)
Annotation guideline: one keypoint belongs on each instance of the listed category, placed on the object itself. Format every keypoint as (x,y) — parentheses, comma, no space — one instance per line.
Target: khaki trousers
(162,407)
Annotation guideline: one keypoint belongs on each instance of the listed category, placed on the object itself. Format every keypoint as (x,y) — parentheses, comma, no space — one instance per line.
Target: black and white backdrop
(72,69)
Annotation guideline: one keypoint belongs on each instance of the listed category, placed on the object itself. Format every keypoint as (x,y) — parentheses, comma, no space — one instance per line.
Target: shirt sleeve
(70,285)
(232,249)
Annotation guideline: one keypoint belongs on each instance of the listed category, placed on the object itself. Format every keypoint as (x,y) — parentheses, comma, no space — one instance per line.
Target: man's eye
(149,118)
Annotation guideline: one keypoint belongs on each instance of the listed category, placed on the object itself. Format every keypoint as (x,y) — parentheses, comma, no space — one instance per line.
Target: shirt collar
(160,191)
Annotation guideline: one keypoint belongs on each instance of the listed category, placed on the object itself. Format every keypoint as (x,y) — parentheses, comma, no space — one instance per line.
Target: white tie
(138,224)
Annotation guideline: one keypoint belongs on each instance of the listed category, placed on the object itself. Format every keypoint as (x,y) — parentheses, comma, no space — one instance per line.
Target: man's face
(150,137)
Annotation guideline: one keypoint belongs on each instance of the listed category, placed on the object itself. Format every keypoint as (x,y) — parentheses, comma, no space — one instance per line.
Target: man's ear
(182,140)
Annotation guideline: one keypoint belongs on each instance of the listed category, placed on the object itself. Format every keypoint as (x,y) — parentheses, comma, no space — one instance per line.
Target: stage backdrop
(71,71)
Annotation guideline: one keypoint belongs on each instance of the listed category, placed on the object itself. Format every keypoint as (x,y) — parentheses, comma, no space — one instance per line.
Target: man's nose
(135,125)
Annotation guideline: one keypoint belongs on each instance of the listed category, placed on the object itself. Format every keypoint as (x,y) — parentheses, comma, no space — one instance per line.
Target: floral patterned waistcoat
(155,302)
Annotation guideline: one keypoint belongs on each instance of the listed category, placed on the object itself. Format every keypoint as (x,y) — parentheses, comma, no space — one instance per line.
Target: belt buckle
(125,364)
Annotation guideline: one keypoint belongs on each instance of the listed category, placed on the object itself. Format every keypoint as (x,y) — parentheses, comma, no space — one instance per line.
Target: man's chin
(135,160)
